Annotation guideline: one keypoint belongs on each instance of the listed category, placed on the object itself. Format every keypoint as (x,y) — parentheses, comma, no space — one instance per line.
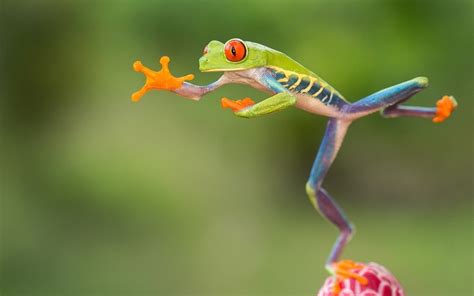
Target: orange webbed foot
(346,269)
(444,107)
(236,105)
(162,79)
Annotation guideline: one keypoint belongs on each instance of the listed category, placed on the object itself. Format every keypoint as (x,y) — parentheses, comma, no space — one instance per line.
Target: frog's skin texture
(291,84)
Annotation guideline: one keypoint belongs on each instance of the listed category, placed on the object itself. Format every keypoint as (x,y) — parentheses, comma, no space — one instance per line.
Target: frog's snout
(203,62)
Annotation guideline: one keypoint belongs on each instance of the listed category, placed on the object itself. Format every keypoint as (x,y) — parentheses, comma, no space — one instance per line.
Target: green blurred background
(101,196)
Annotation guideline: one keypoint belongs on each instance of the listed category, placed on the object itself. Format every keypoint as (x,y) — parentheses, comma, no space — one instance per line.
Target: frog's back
(301,81)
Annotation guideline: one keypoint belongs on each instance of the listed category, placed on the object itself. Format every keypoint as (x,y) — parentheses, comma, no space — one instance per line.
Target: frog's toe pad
(137,66)
(444,107)
(136,96)
(164,61)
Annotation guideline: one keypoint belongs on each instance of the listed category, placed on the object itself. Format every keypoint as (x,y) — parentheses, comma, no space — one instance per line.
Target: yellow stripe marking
(286,73)
(319,91)
(295,84)
(312,81)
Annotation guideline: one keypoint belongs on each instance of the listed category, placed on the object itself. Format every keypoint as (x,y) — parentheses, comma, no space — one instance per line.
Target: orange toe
(228,103)
(236,105)
(444,107)
(346,269)
(248,102)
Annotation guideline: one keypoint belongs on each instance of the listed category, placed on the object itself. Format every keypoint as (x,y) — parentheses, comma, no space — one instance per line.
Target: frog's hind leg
(388,102)
(322,201)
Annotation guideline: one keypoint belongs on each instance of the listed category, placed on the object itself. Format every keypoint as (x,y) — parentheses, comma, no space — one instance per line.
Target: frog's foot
(444,107)
(162,79)
(238,104)
(345,269)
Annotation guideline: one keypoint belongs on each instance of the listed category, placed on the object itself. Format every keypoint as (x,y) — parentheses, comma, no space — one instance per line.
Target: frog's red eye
(235,50)
(206,50)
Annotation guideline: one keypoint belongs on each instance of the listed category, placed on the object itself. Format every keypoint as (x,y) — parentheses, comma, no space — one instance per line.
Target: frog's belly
(315,106)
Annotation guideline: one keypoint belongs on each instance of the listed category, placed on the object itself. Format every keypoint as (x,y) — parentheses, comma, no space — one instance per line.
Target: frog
(290,84)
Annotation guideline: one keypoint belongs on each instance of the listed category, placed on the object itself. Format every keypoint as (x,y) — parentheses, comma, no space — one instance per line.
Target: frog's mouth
(219,70)
(205,65)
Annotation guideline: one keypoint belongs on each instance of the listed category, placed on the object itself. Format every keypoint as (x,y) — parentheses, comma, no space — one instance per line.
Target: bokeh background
(101,196)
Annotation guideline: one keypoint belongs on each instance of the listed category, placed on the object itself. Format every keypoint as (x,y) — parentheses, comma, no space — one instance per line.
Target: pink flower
(380,283)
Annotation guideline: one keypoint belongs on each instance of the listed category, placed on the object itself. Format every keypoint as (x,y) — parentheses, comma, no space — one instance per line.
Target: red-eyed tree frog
(291,84)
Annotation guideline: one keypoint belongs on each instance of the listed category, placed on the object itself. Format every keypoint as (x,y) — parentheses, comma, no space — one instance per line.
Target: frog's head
(234,55)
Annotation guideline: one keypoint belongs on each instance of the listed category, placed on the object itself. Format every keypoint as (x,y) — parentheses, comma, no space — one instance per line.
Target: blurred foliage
(171,197)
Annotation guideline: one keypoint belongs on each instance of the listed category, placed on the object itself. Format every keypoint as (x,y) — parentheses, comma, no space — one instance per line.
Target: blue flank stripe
(324,93)
(337,100)
(279,75)
(303,84)
(291,80)
(314,89)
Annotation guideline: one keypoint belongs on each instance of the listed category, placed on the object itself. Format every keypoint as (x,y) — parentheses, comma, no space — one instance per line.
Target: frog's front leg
(164,80)
(245,108)
(272,104)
